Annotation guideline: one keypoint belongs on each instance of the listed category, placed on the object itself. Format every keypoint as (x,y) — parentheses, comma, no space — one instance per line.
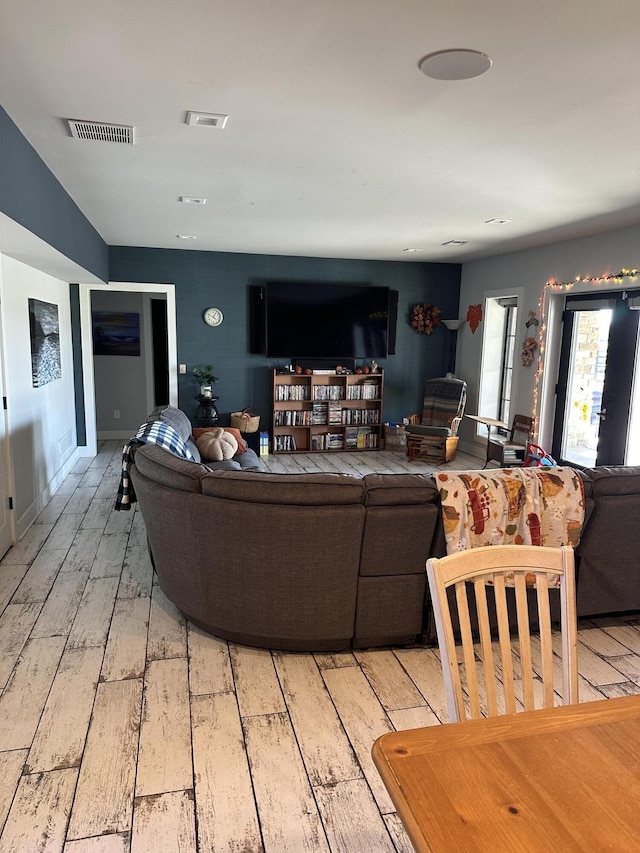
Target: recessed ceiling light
(186,236)
(497,221)
(456,64)
(191,199)
(217,120)
(410,249)
(454,243)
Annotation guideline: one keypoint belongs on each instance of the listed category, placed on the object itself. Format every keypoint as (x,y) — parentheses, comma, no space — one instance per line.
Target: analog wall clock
(213,316)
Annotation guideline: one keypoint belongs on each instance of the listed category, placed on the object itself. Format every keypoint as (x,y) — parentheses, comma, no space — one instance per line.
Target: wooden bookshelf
(326,412)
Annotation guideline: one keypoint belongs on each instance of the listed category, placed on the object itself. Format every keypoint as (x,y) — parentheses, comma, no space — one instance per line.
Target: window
(508,352)
(498,354)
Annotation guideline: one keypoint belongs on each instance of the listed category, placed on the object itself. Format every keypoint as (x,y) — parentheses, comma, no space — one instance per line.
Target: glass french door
(595,391)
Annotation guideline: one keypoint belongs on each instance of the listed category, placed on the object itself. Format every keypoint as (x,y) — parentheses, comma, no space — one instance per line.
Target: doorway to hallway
(166,292)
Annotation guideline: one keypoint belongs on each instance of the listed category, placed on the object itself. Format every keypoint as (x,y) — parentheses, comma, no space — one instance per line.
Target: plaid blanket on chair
(443,400)
(151,432)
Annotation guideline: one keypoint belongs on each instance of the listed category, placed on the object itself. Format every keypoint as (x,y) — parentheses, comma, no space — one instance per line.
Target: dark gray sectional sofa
(331,561)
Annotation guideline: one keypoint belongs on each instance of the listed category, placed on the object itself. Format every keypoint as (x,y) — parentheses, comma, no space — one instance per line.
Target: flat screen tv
(332,321)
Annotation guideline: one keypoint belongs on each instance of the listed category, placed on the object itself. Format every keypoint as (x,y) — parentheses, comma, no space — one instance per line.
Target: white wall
(42,425)
(600,255)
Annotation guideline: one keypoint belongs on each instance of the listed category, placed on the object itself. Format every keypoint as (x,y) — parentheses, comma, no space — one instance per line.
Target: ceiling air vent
(96,131)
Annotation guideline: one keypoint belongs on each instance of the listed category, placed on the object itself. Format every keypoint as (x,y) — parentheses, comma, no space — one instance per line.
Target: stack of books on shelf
(264,444)
(327,441)
(335,441)
(335,413)
(514,455)
(319,413)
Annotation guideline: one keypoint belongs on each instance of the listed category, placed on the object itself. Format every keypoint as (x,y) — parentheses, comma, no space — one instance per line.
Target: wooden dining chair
(494,569)
(512,450)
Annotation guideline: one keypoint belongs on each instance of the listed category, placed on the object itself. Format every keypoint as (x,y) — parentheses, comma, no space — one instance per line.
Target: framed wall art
(44,326)
(116,333)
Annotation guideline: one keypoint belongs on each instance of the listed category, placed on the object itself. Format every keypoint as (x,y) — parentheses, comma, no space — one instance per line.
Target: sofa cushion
(249,461)
(167,469)
(614,480)
(177,419)
(421,429)
(290,489)
(242,447)
(223,465)
(400,489)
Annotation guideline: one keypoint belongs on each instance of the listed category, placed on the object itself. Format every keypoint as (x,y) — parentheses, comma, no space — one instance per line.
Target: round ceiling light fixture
(456,64)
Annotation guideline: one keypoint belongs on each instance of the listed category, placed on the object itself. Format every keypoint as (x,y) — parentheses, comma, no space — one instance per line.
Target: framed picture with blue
(115,333)
(44,328)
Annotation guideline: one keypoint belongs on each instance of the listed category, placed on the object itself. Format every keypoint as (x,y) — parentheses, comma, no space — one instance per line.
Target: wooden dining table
(562,779)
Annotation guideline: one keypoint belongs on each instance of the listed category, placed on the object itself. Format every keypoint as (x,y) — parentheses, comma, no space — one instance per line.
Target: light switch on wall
(183,368)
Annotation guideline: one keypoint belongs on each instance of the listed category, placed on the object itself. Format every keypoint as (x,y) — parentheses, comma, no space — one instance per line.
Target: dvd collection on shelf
(368,390)
(320,415)
(347,405)
(292,392)
(284,442)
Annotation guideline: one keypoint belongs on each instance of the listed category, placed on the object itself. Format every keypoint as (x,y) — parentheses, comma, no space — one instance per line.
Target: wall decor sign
(474,315)
(529,346)
(44,327)
(115,333)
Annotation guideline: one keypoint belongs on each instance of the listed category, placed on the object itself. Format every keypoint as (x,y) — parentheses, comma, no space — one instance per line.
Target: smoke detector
(96,131)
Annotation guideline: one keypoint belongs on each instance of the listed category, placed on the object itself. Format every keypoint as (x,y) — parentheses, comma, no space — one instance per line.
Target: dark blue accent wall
(78,382)
(31,195)
(220,279)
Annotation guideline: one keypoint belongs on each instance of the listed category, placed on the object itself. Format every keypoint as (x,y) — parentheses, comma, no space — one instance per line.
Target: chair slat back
(503,676)
(521,429)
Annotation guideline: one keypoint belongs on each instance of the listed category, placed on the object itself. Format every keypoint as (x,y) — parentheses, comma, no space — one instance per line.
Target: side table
(488,422)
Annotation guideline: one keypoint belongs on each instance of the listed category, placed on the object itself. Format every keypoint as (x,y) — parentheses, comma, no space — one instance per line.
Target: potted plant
(205,376)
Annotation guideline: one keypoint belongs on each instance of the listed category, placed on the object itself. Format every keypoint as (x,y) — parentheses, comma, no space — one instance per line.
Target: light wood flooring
(124,728)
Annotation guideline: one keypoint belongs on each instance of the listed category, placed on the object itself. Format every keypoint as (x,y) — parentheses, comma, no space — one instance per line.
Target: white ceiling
(336,144)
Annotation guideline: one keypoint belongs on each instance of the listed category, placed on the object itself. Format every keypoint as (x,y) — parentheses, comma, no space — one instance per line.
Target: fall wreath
(425,318)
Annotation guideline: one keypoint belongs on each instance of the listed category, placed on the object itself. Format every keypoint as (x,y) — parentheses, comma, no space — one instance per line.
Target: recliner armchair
(436,435)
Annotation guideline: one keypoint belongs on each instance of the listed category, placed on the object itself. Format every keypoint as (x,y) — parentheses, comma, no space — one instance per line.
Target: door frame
(5,442)
(619,369)
(91,446)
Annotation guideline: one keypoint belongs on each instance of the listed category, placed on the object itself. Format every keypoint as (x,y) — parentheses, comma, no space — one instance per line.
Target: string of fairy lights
(564,286)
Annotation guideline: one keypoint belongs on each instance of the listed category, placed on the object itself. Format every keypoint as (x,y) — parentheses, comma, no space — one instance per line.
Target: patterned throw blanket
(514,506)
(152,432)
